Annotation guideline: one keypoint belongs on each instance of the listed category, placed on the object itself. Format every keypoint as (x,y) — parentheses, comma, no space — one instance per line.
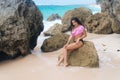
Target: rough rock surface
(20,25)
(99,1)
(115,26)
(86,56)
(102,23)
(53,30)
(99,23)
(112,7)
(81,13)
(54,43)
(53,17)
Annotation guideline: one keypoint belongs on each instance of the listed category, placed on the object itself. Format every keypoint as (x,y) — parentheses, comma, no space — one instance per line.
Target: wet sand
(42,66)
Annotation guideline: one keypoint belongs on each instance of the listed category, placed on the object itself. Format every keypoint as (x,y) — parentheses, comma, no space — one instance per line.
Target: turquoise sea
(47,10)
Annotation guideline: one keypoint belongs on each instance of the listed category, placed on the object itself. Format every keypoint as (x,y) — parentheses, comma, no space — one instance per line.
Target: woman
(78,33)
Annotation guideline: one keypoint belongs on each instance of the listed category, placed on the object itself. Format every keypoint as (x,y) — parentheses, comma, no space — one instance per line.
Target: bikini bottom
(81,41)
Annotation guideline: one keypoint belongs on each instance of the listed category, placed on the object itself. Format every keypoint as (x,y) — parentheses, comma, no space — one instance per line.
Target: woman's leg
(65,57)
(60,60)
(67,49)
(62,57)
(71,47)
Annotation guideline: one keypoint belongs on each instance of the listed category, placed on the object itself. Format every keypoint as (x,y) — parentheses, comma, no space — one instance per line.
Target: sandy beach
(42,66)
(22,21)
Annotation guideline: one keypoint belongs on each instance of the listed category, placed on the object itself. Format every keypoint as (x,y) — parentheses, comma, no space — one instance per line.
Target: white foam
(48,24)
(95,5)
(94,12)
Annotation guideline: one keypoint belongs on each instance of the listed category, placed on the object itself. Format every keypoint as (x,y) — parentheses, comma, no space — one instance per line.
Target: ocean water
(47,10)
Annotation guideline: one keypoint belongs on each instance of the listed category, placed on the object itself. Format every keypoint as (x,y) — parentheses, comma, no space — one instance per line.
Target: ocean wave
(48,24)
(95,5)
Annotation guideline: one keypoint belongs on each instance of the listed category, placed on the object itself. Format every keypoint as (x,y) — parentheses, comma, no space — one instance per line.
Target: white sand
(42,66)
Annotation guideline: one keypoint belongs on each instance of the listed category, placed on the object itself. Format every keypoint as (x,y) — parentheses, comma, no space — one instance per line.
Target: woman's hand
(68,41)
(66,45)
(77,41)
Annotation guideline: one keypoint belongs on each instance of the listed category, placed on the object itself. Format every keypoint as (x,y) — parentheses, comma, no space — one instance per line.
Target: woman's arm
(69,39)
(83,36)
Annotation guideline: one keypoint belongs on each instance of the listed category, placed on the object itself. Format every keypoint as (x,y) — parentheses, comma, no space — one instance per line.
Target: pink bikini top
(78,31)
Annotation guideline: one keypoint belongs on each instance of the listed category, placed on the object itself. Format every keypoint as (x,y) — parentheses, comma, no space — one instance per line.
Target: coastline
(42,65)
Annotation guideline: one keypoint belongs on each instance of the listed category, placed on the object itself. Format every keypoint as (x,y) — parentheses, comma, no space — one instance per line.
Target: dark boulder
(20,25)
(53,17)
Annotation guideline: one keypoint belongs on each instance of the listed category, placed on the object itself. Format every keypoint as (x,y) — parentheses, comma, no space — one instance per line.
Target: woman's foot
(58,64)
(66,65)
(60,60)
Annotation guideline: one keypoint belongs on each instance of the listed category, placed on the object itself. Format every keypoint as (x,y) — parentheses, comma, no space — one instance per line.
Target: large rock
(20,25)
(112,7)
(86,56)
(102,23)
(53,30)
(53,17)
(54,43)
(81,13)
(99,1)
(115,26)
(99,23)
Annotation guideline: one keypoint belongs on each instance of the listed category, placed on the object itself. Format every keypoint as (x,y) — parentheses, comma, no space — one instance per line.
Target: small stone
(118,50)
(103,44)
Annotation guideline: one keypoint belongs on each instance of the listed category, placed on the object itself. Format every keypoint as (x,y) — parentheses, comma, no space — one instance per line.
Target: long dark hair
(71,24)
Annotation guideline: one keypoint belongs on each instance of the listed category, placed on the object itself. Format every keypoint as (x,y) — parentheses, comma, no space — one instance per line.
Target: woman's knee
(66,49)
